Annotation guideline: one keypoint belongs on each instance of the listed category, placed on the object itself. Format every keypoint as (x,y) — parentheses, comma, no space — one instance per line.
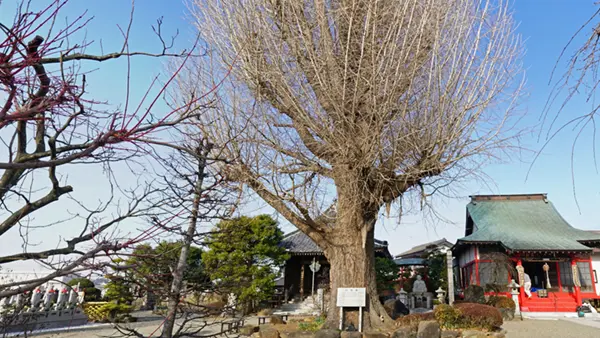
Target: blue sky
(546,27)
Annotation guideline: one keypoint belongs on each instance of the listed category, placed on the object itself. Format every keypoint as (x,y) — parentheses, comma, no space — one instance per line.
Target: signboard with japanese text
(351,297)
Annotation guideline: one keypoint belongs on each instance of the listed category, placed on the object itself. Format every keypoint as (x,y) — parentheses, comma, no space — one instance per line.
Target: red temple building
(535,240)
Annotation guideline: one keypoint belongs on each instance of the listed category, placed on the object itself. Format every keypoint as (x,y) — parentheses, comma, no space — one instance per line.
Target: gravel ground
(549,329)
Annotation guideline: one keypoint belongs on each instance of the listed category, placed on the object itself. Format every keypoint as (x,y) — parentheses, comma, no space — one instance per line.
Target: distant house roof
(523,223)
(298,243)
(410,261)
(419,250)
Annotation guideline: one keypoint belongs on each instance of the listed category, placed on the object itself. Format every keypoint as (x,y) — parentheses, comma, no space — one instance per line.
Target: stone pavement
(553,328)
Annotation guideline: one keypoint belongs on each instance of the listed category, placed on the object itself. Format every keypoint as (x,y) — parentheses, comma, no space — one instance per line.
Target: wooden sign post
(351,297)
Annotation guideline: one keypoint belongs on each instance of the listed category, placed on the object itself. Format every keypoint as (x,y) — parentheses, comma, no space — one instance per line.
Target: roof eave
(470,242)
(551,250)
(311,253)
(512,250)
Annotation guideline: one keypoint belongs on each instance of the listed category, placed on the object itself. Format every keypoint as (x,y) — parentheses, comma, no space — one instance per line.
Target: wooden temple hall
(298,276)
(537,245)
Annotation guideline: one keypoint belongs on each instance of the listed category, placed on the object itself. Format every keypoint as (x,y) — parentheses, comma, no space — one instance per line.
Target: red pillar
(477,280)
(577,288)
(522,287)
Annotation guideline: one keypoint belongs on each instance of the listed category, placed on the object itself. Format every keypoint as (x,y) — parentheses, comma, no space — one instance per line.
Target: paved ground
(147,328)
(529,328)
(553,328)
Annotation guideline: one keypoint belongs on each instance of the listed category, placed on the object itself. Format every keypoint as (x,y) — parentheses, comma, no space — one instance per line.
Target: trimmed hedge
(502,302)
(448,317)
(459,316)
(412,321)
(480,316)
(468,316)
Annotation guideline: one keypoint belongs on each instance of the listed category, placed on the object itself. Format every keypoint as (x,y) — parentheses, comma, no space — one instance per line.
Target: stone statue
(19,301)
(36,298)
(47,299)
(419,285)
(420,297)
(4,303)
(73,298)
(62,299)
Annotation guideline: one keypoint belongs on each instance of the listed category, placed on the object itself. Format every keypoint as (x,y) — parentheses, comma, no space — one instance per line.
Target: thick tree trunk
(353,265)
(349,248)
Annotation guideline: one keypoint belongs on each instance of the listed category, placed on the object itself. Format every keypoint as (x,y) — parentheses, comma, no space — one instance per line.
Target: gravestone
(321,300)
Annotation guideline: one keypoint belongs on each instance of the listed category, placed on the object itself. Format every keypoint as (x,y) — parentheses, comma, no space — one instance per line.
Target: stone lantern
(514,291)
(441,295)
(403,296)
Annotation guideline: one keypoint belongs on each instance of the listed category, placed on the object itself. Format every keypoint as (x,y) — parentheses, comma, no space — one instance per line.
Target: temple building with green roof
(508,236)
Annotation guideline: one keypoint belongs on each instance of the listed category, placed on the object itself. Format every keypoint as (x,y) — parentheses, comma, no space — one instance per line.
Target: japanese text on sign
(351,297)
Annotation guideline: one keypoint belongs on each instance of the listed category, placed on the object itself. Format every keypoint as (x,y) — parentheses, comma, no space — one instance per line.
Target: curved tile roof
(299,243)
(524,223)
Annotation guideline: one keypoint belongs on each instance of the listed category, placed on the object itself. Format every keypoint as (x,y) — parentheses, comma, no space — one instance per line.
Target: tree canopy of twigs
(580,76)
(193,196)
(49,123)
(578,80)
(377,99)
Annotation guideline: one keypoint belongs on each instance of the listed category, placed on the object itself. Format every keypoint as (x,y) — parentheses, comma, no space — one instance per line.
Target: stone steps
(305,307)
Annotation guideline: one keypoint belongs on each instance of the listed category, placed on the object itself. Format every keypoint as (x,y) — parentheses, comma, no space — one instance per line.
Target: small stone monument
(62,299)
(36,298)
(19,301)
(48,299)
(321,300)
(4,303)
(72,298)
(419,294)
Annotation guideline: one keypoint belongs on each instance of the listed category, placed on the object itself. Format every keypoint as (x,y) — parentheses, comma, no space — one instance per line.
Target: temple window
(585,276)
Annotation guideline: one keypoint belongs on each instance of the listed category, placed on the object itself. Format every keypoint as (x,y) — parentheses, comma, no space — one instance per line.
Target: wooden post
(558,277)
(450,267)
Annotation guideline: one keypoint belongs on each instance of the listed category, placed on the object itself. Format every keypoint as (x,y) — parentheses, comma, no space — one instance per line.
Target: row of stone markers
(42,309)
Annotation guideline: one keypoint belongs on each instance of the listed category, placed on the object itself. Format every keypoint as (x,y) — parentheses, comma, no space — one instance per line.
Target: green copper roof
(523,224)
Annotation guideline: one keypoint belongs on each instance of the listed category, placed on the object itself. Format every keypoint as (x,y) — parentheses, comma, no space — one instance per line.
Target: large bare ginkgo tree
(357,106)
